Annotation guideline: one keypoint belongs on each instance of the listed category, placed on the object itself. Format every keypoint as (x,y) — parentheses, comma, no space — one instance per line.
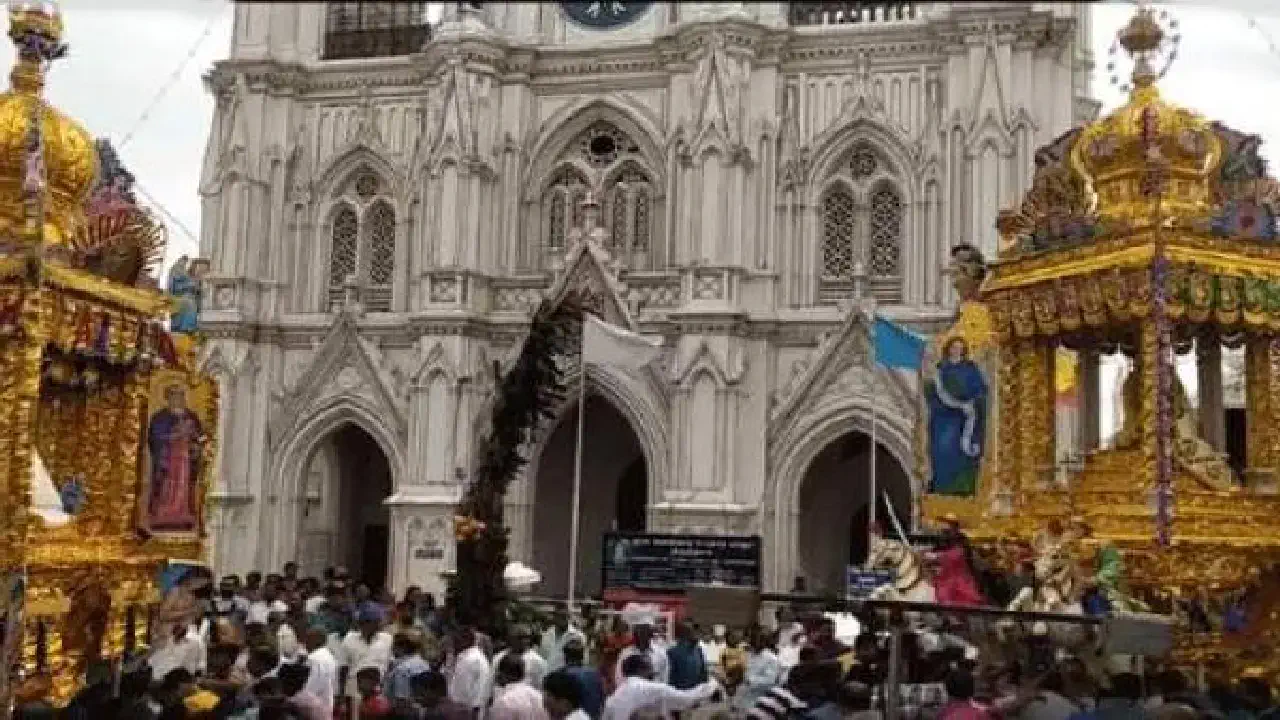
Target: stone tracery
(862,227)
(604,160)
(362,243)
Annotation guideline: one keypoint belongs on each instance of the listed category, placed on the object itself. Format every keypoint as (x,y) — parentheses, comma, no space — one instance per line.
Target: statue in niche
(184,285)
(1191,452)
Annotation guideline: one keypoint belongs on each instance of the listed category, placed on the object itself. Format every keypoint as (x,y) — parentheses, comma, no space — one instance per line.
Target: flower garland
(1154,183)
(527,395)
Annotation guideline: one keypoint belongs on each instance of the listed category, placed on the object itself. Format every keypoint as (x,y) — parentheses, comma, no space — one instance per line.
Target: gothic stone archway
(345,518)
(614,494)
(833,507)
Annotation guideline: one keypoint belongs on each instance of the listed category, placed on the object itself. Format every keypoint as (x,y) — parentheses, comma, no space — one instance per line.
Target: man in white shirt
(556,637)
(183,650)
(638,693)
(286,639)
(260,610)
(714,647)
(323,680)
(469,684)
(535,668)
(644,644)
(515,699)
(366,646)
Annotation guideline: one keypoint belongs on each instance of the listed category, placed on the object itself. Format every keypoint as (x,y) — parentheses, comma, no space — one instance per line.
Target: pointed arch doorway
(345,517)
(833,508)
(614,495)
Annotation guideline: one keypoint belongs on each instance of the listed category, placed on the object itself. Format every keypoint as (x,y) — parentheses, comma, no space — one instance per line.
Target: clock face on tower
(604,14)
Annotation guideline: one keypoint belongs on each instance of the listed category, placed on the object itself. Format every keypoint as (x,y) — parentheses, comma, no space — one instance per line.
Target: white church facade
(386,201)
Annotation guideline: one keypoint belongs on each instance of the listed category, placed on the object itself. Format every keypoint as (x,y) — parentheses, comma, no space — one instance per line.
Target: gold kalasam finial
(36,30)
(1141,38)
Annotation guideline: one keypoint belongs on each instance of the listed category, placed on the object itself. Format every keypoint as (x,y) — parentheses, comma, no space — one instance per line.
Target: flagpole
(577,479)
(871,517)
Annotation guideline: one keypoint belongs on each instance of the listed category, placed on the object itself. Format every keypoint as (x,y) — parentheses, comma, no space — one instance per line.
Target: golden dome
(69,155)
(1117,154)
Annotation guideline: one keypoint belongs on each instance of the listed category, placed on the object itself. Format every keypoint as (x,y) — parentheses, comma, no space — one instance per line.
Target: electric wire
(173,79)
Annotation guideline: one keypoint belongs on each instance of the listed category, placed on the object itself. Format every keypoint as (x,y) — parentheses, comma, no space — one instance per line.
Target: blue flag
(896,347)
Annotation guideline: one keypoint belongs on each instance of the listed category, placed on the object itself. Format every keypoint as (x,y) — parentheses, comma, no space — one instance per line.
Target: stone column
(1209,378)
(1090,389)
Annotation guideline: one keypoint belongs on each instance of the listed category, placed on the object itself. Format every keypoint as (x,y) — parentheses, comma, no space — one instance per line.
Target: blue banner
(897,347)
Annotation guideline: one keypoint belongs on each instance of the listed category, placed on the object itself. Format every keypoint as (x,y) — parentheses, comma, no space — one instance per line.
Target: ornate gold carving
(1007,457)
(1035,426)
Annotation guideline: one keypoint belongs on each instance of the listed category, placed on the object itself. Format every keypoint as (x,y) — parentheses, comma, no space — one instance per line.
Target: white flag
(605,344)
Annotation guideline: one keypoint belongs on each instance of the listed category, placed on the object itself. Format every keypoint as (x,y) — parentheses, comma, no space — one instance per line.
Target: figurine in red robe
(953,582)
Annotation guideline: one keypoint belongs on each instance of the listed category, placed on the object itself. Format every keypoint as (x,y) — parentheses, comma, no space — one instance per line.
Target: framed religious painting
(176,457)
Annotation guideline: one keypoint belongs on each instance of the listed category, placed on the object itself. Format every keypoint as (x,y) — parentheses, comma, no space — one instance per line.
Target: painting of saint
(175,440)
(958,399)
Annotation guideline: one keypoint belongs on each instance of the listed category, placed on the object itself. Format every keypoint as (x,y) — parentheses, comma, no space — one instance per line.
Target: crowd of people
(284,647)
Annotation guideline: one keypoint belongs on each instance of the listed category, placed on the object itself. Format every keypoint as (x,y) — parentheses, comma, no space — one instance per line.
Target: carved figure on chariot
(1150,232)
(105,415)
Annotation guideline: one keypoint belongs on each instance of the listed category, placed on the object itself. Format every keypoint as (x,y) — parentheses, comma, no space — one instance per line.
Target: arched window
(604,160)
(363,244)
(380,237)
(627,215)
(885,253)
(344,247)
(838,210)
(862,228)
(561,207)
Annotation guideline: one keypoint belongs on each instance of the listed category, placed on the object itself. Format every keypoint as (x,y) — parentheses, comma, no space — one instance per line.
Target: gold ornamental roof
(1117,155)
(1099,185)
(1149,179)
(69,156)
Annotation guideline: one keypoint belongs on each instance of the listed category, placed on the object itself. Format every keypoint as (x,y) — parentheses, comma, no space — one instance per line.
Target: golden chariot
(1146,232)
(85,359)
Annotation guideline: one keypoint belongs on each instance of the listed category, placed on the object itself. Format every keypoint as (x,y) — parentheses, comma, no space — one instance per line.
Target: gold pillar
(1035,430)
(113,644)
(19,390)
(30,646)
(1007,392)
(1259,382)
(63,681)
(132,403)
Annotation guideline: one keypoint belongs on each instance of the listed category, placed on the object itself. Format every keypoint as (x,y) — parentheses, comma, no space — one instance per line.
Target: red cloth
(374,706)
(954,584)
(610,648)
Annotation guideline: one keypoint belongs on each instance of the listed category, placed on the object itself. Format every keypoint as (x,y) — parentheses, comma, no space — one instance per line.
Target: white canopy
(45,500)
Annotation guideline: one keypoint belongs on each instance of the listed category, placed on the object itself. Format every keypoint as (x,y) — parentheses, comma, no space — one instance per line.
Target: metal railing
(849,12)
